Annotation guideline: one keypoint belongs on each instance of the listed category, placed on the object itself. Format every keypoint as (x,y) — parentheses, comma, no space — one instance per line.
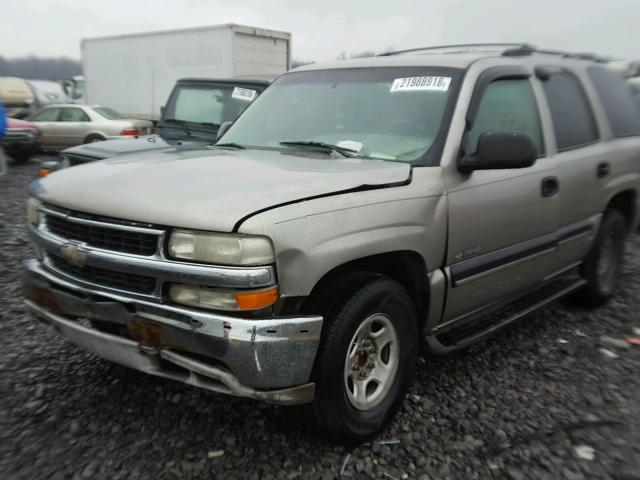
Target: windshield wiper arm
(178,122)
(230,145)
(345,152)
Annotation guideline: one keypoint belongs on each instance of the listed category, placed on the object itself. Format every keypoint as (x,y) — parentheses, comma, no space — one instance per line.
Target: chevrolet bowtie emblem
(74,255)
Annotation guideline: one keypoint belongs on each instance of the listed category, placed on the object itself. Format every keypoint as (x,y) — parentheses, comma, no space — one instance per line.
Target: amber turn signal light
(256,300)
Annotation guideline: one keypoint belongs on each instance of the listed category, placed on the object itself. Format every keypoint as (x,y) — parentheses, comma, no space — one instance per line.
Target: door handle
(604,169)
(550,186)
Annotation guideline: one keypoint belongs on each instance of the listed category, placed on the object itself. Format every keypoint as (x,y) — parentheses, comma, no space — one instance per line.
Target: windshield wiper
(178,122)
(230,145)
(345,152)
(208,124)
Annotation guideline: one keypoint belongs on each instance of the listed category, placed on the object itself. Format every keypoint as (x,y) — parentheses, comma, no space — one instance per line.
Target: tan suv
(354,212)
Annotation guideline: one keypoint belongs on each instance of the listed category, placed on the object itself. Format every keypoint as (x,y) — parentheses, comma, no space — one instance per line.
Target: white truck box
(134,74)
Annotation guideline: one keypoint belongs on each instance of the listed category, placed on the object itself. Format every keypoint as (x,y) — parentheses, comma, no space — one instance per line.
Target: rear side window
(621,108)
(73,115)
(507,106)
(572,117)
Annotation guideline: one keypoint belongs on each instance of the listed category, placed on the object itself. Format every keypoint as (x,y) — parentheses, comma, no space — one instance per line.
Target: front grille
(103,237)
(107,278)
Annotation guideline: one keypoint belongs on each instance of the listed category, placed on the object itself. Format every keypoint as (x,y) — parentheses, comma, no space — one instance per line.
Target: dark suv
(195,110)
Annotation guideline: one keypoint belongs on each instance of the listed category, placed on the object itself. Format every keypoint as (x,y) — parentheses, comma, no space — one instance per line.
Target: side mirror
(500,150)
(222,129)
(162,112)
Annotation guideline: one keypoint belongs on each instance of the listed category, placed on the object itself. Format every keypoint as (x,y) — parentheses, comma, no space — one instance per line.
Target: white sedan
(63,126)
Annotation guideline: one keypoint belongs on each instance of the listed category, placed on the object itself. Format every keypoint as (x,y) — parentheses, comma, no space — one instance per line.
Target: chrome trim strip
(97,223)
(504,266)
(163,270)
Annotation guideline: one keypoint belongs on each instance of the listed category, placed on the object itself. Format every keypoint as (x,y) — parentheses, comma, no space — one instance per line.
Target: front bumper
(269,359)
(19,143)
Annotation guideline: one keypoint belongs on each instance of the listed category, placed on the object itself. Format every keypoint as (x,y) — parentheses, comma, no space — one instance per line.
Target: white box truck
(134,74)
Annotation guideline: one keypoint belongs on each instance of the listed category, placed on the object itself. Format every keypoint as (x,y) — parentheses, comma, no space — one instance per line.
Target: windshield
(209,105)
(108,113)
(382,113)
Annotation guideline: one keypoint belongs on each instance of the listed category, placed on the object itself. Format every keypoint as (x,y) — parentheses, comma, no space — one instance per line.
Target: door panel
(501,236)
(502,223)
(582,162)
(73,127)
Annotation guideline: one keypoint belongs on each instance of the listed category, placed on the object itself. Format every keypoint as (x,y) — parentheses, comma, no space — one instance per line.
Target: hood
(19,124)
(111,148)
(210,189)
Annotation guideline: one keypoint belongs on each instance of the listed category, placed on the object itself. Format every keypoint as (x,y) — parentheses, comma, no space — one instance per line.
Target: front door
(46,120)
(502,223)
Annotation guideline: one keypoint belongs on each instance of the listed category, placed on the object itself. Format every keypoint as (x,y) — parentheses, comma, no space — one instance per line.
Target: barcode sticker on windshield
(244,94)
(411,84)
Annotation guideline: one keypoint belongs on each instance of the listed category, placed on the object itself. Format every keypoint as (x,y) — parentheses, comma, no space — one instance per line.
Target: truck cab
(192,115)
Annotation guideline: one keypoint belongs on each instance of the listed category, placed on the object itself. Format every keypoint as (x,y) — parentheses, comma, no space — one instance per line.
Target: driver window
(507,106)
(48,115)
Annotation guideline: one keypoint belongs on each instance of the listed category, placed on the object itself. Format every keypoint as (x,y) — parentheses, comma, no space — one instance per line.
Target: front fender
(313,237)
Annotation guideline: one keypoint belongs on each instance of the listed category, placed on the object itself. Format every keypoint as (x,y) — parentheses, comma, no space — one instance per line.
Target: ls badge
(74,255)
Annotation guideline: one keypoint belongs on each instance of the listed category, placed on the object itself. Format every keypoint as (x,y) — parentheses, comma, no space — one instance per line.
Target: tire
(94,137)
(370,309)
(602,267)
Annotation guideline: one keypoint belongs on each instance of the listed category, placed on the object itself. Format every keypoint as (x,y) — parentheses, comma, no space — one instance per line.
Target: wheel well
(406,267)
(94,134)
(625,203)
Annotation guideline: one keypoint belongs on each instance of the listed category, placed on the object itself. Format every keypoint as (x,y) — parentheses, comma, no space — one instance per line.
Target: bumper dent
(268,359)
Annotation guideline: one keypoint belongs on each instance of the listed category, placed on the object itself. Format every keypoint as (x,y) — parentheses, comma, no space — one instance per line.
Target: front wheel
(602,267)
(366,360)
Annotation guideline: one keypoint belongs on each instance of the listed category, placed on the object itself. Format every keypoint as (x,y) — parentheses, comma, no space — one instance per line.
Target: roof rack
(505,49)
(465,47)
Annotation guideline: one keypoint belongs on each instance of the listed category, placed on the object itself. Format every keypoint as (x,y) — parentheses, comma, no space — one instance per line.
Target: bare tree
(41,68)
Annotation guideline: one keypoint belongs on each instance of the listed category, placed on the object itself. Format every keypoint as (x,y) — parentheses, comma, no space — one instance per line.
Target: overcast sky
(322,29)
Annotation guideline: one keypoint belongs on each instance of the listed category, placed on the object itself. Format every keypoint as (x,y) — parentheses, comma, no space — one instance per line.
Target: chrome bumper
(269,360)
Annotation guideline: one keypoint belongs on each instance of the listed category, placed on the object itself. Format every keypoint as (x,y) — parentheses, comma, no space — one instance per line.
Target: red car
(21,140)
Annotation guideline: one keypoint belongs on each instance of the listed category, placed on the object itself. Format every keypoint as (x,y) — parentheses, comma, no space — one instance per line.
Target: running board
(479,326)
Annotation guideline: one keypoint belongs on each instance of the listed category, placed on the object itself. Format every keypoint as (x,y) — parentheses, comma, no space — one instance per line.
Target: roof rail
(505,49)
(465,47)
(577,55)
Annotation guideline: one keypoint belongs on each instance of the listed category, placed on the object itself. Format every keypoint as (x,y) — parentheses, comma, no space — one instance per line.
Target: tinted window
(572,117)
(209,104)
(507,106)
(108,113)
(48,115)
(622,110)
(73,115)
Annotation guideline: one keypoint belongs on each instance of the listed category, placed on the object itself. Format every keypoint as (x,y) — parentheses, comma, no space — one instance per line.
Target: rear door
(501,222)
(46,120)
(581,158)
(73,127)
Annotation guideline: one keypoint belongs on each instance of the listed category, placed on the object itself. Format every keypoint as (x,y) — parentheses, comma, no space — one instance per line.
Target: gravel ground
(530,403)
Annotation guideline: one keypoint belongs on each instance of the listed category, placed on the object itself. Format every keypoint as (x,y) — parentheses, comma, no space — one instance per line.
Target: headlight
(221,299)
(221,248)
(33,210)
